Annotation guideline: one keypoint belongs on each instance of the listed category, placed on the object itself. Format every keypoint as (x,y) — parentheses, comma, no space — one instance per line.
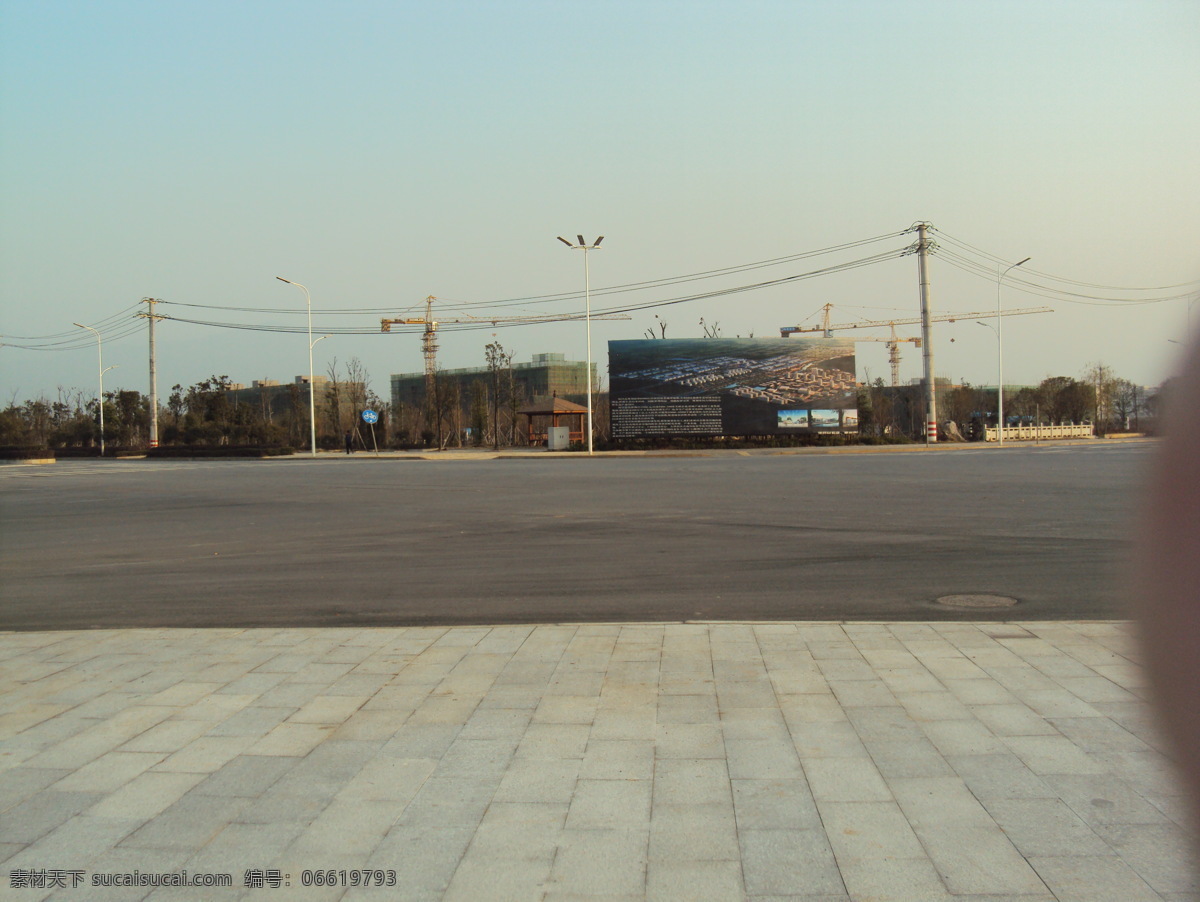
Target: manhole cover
(977,601)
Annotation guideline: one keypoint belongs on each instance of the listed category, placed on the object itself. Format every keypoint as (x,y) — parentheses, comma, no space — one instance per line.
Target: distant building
(272,399)
(546,376)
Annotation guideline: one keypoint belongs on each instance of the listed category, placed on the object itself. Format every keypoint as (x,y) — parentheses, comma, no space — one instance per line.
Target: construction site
(746,393)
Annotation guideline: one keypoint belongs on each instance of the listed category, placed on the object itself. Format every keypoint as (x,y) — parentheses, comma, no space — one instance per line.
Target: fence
(1037,433)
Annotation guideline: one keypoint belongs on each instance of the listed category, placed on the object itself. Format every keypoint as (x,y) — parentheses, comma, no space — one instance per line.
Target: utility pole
(926,337)
(150,316)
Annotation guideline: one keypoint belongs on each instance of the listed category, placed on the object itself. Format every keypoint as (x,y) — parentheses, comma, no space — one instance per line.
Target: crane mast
(893,343)
(429,344)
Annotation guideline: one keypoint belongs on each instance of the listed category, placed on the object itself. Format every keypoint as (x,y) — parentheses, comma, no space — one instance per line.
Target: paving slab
(802,761)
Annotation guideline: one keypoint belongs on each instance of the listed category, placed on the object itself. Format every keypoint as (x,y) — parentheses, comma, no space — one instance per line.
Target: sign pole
(370,417)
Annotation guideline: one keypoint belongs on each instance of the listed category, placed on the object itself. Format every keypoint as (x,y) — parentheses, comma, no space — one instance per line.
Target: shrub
(174,451)
(24,452)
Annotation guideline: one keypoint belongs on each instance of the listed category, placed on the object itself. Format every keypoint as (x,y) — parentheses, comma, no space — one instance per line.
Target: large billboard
(732,386)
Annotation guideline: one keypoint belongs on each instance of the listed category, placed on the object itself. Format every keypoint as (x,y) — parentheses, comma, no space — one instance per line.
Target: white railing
(1037,433)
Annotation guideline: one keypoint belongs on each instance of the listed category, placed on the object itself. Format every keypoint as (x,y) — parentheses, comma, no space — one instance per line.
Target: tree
(333,394)
(479,412)
(1103,384)
(298,422)
(1065,400)
(207,414)
(358,382)
(499,364)
(661,325)
(358,385)
(882,403)
(1025,403)
(445,410)
(1127,402)
(866,411)
(175,404)
(132,418)
(36,415)
(960,404)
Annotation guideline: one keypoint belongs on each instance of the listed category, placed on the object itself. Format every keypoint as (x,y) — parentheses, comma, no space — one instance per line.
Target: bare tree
(1104,383)
(334,395)
(446,402)
(1127,399)
(661,325)
(499,364)
(358,382)
(479,411)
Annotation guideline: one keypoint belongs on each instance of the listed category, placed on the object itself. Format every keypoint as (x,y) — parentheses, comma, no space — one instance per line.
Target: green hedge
(94,451)
(170,451)
(691,443)
(13,452)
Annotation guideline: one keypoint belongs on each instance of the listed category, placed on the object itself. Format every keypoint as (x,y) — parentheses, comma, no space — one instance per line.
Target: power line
(453,305)
(994,259)
(708,274)
(958,254)
(76,344)
(108,321)
(485,323)
(828,270)
(984,271)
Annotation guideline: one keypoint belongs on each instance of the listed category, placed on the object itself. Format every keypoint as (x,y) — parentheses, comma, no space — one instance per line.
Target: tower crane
(893,343)
(429,345)
(893,346)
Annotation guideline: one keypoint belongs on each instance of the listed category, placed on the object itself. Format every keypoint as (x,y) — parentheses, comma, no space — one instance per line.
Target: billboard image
(732,386)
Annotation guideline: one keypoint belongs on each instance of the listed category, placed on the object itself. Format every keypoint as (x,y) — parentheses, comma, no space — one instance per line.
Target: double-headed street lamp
(587,300)
(1000,353)
(103,369)
(312,410)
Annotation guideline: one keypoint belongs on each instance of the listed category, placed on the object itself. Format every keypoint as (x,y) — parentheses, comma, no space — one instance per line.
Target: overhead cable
(995,260)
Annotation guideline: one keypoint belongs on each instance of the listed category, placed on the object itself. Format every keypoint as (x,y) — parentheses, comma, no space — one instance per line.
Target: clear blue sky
(382,152)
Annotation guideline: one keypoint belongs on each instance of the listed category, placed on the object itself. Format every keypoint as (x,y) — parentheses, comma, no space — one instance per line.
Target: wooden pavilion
(542,414)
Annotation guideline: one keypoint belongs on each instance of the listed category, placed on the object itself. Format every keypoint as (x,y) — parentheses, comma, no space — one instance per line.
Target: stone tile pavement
(764,761)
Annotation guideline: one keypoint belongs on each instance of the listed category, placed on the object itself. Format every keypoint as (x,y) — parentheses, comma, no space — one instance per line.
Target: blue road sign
(370,416)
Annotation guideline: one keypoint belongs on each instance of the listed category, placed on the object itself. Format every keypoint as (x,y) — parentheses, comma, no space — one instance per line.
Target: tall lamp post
(1000,354)
(587,300)
(103,369)
(980,322)
(312,410)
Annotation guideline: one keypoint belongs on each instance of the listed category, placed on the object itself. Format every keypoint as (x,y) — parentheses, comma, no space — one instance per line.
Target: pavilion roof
(551,406)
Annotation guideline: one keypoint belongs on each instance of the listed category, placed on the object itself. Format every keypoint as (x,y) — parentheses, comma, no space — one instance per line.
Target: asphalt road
(359,542)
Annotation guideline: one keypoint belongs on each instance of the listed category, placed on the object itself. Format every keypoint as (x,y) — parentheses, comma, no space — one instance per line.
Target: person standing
(349,442)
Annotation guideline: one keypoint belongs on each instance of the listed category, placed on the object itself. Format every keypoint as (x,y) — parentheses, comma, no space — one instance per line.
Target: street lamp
(993,328)
(1000,353)
(103,369)
(312,410)
(587,300)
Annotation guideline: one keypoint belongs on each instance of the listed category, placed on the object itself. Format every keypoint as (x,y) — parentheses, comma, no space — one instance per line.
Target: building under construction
(273,400)
(546,376)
